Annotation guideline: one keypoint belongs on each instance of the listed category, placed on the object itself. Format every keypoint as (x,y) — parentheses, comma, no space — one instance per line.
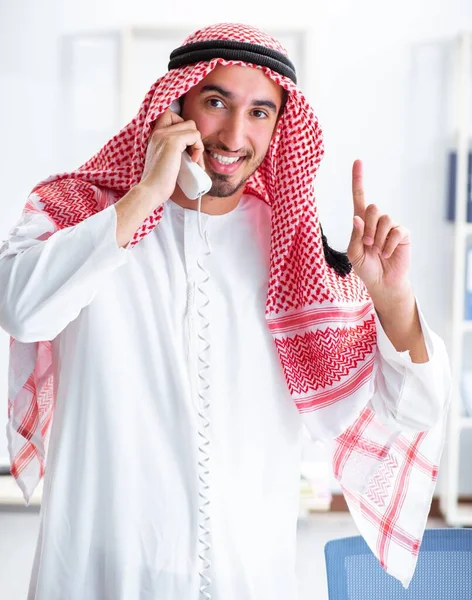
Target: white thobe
(120,514)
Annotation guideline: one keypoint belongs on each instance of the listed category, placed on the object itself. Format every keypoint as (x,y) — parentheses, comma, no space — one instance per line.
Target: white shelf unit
(457,514)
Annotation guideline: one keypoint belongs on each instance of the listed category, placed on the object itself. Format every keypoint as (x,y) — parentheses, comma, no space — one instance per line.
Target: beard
(222,186)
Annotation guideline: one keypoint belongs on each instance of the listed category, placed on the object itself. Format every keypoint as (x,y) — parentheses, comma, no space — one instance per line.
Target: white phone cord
(203,406)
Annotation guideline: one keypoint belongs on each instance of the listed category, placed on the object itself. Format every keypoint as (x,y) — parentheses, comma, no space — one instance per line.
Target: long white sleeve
(410,396)
(45,283)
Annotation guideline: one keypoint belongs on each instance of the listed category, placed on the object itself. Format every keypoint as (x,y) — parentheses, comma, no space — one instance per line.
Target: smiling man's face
(235,109)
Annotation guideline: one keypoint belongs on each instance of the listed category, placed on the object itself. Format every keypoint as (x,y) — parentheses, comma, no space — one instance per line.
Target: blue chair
(443,572)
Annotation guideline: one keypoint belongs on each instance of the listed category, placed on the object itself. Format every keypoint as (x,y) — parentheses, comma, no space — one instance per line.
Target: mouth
(223,163)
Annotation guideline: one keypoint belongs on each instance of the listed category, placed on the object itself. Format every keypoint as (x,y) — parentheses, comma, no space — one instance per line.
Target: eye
(260,114)
(215,103)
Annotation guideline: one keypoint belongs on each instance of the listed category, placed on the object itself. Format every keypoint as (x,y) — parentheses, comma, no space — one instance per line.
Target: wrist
(399,300)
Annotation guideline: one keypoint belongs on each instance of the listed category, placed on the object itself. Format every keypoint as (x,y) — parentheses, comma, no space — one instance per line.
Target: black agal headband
(229,50)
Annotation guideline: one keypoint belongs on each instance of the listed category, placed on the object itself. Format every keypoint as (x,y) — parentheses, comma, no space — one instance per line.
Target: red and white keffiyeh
(323,324)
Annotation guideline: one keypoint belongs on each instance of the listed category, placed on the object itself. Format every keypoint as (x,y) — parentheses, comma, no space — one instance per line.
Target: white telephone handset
(192,179)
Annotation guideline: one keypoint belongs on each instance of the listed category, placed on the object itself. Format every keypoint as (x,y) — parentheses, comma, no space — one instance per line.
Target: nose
(232,134)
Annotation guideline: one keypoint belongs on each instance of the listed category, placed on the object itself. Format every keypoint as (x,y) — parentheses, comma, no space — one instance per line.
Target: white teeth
(225,160)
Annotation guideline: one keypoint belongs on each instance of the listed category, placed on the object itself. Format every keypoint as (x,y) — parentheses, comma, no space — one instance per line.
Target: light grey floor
(18,532)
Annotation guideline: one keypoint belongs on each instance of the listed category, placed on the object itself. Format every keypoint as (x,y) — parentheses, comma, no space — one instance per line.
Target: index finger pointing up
(358,189)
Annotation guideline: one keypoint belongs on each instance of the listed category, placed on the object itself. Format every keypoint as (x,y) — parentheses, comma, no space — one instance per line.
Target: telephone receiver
(192,179)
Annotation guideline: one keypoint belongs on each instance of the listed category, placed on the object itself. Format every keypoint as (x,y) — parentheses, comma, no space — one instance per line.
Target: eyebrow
(230,96)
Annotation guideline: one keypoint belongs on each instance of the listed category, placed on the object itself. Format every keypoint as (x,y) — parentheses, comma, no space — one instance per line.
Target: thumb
(355,249)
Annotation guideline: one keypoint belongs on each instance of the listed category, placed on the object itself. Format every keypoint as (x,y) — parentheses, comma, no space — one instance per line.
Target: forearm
(399,317)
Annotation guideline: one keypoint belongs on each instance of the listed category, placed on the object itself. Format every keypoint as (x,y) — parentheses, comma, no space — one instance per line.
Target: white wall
(377,82)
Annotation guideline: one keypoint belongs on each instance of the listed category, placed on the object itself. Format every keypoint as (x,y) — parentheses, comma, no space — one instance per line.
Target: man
(173,458)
